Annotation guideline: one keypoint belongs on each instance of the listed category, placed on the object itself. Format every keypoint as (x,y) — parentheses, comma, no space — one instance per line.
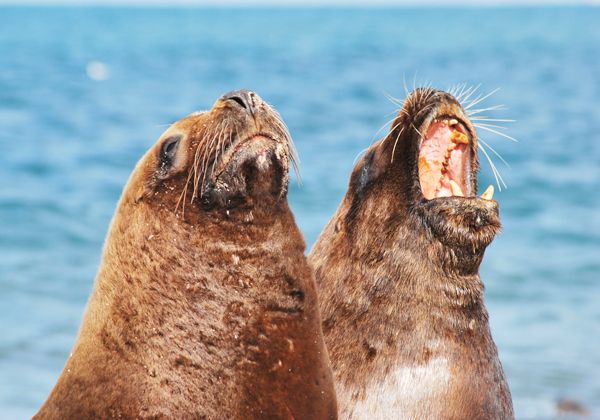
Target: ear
(362,179)
(364,174)
(170,156)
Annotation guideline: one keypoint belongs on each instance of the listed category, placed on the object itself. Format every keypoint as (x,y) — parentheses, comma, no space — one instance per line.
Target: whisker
(498,133)
(500,127)
(396,142)
(193,170)
(413,126)
(183,194)
(182,200)
(295,159)
(404,84)
(394,113)
(220,139)
(196,176)
(424,109)
(223,143)
(491,108)
(495,171)
(430,92)
(207,156)
(359,155)
(452,90)
(468,93)
(294,156)
(388,122)
(391,131)
(483,118)
(493,150)
(460,88)
(204,160)
(216,153)
(481,98)
(393,100)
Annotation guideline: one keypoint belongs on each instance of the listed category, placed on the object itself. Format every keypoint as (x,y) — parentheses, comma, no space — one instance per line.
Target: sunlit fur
(400,293)
(206,310)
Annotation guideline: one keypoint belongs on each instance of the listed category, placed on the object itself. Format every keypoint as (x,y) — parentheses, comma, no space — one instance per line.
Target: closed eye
(168,151)
(169,148)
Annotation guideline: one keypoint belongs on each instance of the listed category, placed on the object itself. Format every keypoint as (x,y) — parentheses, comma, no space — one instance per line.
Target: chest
(406,392)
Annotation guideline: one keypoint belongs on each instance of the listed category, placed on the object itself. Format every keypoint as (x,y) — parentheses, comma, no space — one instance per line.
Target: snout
(245,99)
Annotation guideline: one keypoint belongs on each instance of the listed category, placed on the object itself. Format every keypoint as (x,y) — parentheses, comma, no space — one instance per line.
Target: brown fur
(203,308)
(401,297)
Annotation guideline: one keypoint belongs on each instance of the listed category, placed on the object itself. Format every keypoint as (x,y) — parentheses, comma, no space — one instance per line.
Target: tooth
(456,189)
(488,193)
(458,137)
(452,122)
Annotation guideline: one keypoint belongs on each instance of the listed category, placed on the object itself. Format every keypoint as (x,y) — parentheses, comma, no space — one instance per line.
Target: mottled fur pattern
(398,276)
(207,311)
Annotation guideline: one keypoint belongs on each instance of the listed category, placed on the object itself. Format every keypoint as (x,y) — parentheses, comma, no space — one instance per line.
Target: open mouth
(444,163)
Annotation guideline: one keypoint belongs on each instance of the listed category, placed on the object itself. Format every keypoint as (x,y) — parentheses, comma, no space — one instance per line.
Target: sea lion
(397,270)
(204,305)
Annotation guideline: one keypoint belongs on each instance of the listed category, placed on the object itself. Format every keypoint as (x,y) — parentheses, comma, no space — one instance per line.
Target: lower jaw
(467,223)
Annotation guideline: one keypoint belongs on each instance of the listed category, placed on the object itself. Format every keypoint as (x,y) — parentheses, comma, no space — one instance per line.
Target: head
(233,157)
(423,175)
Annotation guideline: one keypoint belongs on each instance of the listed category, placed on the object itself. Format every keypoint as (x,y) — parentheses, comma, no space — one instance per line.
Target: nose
(244,98)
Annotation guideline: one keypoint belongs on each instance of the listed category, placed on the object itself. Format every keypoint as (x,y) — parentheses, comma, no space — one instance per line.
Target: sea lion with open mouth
(204,305)
(397,270)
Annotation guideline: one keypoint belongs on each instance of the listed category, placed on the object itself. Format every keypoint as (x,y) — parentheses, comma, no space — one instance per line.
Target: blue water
(71,139)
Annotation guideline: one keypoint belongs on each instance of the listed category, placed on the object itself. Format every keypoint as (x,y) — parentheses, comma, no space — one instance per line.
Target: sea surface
(85,91)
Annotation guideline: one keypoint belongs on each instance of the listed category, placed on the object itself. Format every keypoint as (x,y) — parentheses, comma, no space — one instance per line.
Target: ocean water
(85,91)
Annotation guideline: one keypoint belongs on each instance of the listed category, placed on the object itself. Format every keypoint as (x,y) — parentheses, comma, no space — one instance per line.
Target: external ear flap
(364,176)
(167,155)
(360,182)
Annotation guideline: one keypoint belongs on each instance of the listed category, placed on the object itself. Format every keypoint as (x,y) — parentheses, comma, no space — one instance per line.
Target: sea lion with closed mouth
(204,305)
(397,269)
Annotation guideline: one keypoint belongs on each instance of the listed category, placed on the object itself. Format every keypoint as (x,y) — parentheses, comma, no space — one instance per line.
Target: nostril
(244,98)
(239,100)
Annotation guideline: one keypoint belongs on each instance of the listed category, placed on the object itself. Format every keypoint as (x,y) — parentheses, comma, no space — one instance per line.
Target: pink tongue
(457,164)
(435,145)
(441,160)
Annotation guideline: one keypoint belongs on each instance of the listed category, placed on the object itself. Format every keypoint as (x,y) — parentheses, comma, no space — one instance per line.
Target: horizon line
(299,3)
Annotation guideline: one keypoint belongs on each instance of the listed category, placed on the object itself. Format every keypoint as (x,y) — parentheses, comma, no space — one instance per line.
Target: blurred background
(85,90)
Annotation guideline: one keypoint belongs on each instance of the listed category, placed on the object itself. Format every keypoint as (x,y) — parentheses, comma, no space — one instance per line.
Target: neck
(402,296)
(175,303)
(149,257)
(408,269)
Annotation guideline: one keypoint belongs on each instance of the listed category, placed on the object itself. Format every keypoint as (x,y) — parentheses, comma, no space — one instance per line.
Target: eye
(169,148)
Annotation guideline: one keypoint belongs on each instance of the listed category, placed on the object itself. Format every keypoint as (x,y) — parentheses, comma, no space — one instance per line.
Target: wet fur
(208,312)
(400,293)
